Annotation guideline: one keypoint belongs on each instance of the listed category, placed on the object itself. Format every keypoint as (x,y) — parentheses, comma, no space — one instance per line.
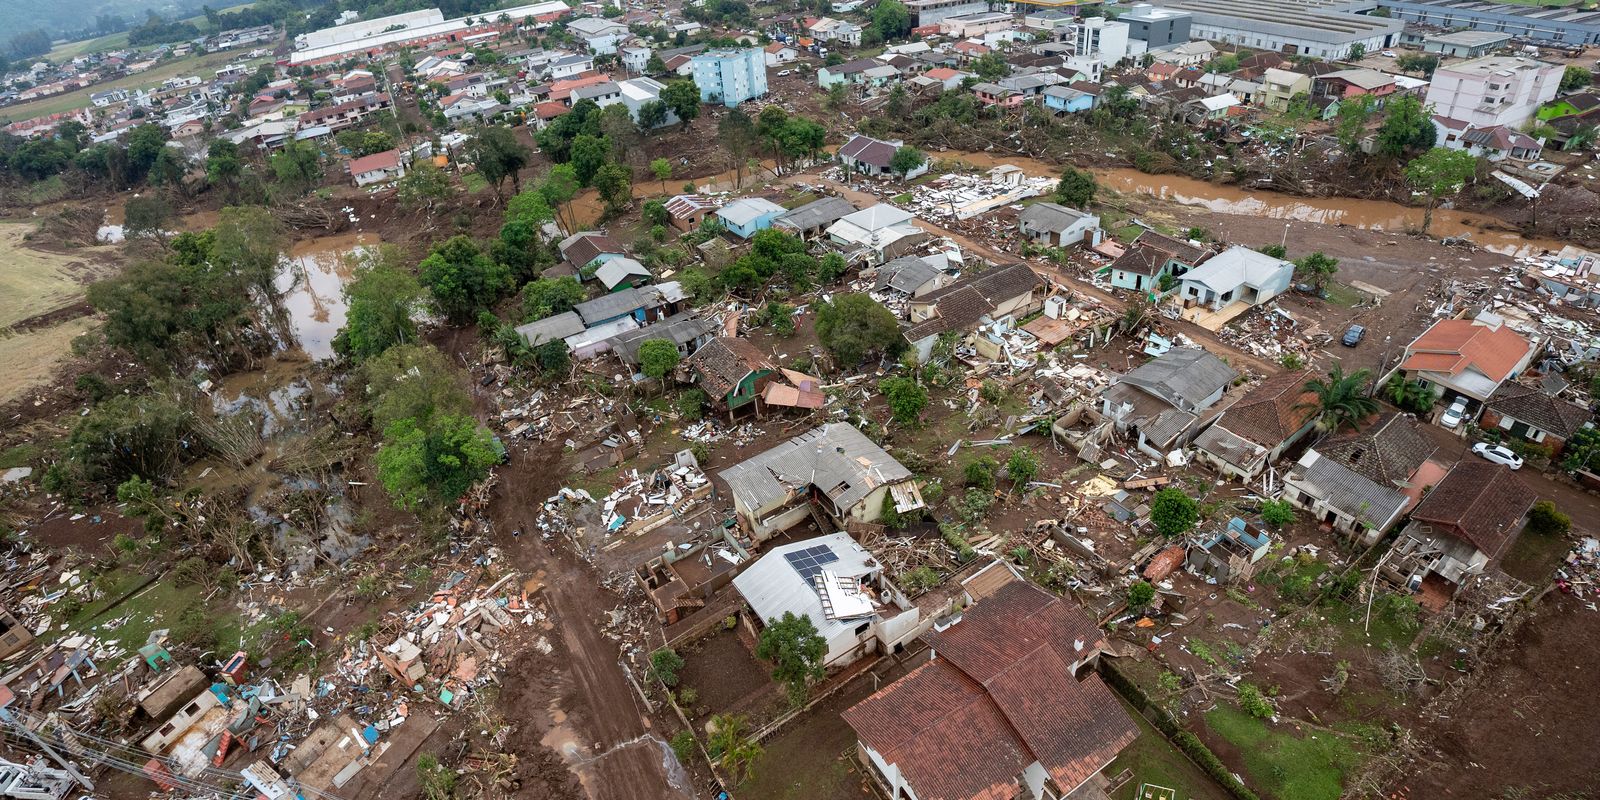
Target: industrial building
(933,12)
(1466,44)
(1569,25)
(1321,28)
(1157,27)
(414,29)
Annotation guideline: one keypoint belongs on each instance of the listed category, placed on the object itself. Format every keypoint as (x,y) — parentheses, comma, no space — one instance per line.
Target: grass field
(31,358)
(1155,761)
(1289,767)
(70,50)
(33,282)
(203,66)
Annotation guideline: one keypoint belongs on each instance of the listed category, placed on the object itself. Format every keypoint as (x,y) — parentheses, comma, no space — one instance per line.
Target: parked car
(1454,414)
(1388,54)
(783,73)
(1352,335)
(1499,454)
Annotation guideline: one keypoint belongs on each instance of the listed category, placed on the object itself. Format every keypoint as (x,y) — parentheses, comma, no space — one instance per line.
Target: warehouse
(1313,27)
(1568,25)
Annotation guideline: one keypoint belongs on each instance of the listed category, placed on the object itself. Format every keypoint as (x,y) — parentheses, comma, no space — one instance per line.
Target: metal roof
(836,459)
(777,584)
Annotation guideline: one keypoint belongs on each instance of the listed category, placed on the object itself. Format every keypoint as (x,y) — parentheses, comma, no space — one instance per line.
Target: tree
(297,166)
(892,19)
(589,154)
(146,215)
(652,115)
(435,464)
(1140,595)
(559,188)
(990,66)
(1076,188)
(1414,396)
(1582,451)
(854,325)
(422,186)
(1406,127)
(1357,52)
(410,381)
(728,744)
(1227,62)
(1277,513)
(1317,267)
(223,166)
(1173,512)
(905,159)
(831,267)
(380,299)
(249,242)
(1582,138)
(614,182)
(1022,467)
(28,44)
(906,399)
(655,213)
(1438,172)
(1274,250)
(1423,63)
(979,472)
(1544,519)
(547,297)
(618,129)
(1354,112)
(462,278)
(1341,399)
(662,169)
(148,432)
(665,664)
(796,650)
(657,358)
(682,96)
(738,135)
(497,155)
(1575,77)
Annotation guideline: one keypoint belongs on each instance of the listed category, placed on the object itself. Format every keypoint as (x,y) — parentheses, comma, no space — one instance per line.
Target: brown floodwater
(312,285)
(1380,215)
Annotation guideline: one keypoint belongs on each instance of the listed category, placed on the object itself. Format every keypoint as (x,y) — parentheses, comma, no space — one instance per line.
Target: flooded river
(312,282)
(1380,215)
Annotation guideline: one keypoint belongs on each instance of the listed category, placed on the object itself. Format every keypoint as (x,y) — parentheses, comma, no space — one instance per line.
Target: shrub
(1173,512)
(958,543)
(975,504)
(919,580)
(688,697)
(1140,595)
(683,746)
(1546,520)
(664,665)
(1023,466)
(691,404)
(1277,513)
(980,472)
(906,399)
(1253,702)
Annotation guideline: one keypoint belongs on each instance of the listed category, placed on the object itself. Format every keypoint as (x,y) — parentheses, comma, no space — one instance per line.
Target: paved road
(1581,505)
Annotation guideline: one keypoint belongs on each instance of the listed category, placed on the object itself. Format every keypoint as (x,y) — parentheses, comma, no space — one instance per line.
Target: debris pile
(1580,572)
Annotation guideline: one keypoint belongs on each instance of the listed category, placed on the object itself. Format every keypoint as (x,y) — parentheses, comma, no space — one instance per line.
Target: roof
(1141,260)
(617,270)
(835,459)
(594,26)
(1239,266)
(1500,137)
(1184,251)
(964,303)
(998,697)
(1274,410)
(774,584)
(688,205)
(552,328)
(725,360)
(877,217)
(1182,376)
(740,213)
(386,160)
(1350,491)
(906,274)
(1547,413)
(1452,346)
(1481,502)
(1052,217)
(853,67)
(1364,78)
(1389,452)
(816,214)
(868,150)
(583,248)
(680,329)
(616,304)
(1219,102)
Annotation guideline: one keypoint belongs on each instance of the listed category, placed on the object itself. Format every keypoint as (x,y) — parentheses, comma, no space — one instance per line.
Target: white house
(1238,274)
(377,168)
(780,53)
(601,35)
(1493,90)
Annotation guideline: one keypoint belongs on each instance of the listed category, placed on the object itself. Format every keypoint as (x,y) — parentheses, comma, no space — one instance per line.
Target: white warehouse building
(1320,28)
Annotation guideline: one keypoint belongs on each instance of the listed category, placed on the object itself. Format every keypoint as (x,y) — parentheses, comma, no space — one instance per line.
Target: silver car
(1454,414)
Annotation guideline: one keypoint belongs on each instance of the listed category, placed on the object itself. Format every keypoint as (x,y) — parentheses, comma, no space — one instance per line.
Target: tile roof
(999,696)
(1387,453)
(1478,501)
(725,360)
(1547,413)
(1274,410)
(868,150)
(1453,345)
(1141,259)
(583,248)
(1186,252)
(388,159)
(998,284)
(962,304)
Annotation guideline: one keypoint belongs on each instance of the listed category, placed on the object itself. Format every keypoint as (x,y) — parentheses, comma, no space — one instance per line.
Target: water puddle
(311,284)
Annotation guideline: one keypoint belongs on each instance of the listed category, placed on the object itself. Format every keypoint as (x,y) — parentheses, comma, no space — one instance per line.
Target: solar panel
(809,562)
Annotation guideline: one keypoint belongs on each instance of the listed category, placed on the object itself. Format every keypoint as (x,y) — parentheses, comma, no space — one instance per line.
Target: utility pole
(6,699)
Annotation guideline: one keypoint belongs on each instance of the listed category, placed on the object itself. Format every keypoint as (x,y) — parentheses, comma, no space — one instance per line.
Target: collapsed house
(1229,555)
(999,711)
(834,473)
(1465,524)
(1157,403)
(997,296)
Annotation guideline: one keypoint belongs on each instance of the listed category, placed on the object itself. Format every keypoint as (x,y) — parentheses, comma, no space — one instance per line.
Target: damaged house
(999,295)
(1157,403)
(1361,483)
(1255,431)
(833,473)
(841,588)
(1000,711)
(1465,525)
(876,234)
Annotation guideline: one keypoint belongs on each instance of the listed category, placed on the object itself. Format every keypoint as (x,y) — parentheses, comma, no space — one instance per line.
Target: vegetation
(434,464)
(1140,595)
(1415,396)
(1439,172)
(1022,467)
(665,665)
(657,358)
(1544,519)
(906,399)
(1341,399)
(1173,512)
(1317,268)
(796,650)
(1076,189)
(381,299)
(1277,513)
(463,279)
(854,326)
(731,747)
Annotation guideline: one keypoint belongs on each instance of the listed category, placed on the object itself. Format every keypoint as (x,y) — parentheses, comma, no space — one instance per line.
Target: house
(1495,143)
(731,77)
(967,26)
(602,94)
(1236,275)
(1255,431)
(686,211)
(911,276)
(839,586)
(868,156)
(1000,710)
(601,35)
(732,372)
(1465,525)
(848,72)
(635,59)
(1493,90)
(684,330)
(779,53)
(948,78)
(993,94)
(1229,555)
(1055,225)
(552,328)
(583,249)
(1347,83)
(1000,295)
(833,469)
(636,93)
(1153,255)
(1362,482)
(1210,109)
(343,115)
(1534,416)
(1067,100)
(1467,358)
(1466,43)
(377,168)
(569,67)
(746,216)
(809,221)
(622,273)
(641,303)
(1279,86)
(1188,54)
(876,233)
(1158,402)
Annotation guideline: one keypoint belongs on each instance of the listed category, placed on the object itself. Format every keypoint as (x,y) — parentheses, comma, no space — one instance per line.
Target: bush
(193,628)
(191,571)
(688,697)
(691,404)
(1140,596)
(1546,520)
(1254,703)
(919,580)
(1022,467)
(906,399)
(1277,513)
(664,665)
(980,472)
(958,543)
(975,505)
(683,746)
(1173,512)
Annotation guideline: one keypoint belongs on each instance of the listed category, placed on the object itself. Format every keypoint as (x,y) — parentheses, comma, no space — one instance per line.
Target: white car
(1454,414)
(1498,453)
(783,72)
(1388,54)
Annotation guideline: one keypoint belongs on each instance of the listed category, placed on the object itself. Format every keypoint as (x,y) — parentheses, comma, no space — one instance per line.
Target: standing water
(311,283)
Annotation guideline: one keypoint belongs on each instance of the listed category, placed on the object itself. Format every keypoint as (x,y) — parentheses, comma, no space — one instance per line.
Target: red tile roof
(1273,411)
(388,159)
(1480,502)
(1452,346)
(941,73)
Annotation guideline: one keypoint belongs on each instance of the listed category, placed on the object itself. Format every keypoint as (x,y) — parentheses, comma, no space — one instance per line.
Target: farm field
(202,65)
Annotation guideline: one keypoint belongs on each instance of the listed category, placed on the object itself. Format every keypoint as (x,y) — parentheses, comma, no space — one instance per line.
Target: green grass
(1534,558)
(1288,767)
(1154,760)
(150,609)
(1344,295)
(901,198)
(20,456)
(800,200)
(70,50)
(48,190)
(474,182)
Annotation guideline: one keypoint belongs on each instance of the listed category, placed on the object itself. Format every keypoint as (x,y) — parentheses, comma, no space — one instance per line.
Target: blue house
(1151,256)
(1067,100)
(745,217)
(730,77)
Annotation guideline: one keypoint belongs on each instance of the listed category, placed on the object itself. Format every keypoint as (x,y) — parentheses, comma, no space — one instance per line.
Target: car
(1389,54)
(783,73)
(1352,335)
(1454,414)
(1499,454)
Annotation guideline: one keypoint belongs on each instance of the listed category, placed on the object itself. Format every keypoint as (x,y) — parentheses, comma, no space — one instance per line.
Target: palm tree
(1341,399)
(1414,396)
